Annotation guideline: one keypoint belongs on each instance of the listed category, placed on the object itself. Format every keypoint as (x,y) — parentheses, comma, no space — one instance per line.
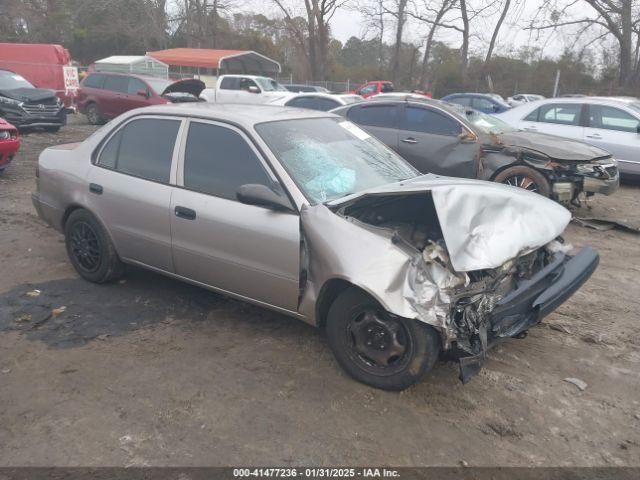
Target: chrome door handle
(533,129)
(595,135)
(409,140)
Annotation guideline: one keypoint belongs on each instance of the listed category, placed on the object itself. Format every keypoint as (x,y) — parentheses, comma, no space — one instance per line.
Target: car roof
(599,100)
(242,114)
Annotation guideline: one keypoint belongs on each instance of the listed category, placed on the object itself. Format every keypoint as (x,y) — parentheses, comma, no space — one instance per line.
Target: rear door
(430,141)
(557,118)
(244,249)
(379,119)
(616,131)
(130,188)
(114,100)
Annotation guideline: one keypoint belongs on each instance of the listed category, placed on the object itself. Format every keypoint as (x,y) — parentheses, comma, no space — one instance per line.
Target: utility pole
(557,84)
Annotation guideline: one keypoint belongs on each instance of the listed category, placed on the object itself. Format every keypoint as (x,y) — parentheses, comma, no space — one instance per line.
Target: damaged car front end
(482,264)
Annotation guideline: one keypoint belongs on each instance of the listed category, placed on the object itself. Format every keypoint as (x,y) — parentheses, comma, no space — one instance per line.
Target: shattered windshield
(329,158)
(486,123)
(270,85)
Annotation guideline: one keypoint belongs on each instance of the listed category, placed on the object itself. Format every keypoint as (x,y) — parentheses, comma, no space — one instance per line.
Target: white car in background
(611,123)
(521,98)
(318,100)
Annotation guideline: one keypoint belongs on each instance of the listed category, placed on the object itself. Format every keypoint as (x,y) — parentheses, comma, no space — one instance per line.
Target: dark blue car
(483,102)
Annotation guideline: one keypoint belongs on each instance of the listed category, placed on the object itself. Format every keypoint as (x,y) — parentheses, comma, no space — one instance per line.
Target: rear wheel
(525,177)
(52,129)
(377,348)
(90,249)
(94,117)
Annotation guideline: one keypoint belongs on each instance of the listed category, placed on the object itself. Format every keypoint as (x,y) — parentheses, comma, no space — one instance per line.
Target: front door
(615,131)
(130,192)
(243,249)
(431,141)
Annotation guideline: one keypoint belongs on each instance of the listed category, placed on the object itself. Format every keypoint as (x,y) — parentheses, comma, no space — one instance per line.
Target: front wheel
(377,348)
(525,177)
(94,117)
(90,249)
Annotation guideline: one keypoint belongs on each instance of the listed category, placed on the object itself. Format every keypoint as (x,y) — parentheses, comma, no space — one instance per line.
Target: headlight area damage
(478,262)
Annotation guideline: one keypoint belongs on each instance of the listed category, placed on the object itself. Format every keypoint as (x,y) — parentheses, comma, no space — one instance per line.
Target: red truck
(44,65)
(376,87)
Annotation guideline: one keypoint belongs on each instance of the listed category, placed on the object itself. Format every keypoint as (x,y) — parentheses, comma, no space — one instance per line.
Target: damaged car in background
(399,269)
(448,139)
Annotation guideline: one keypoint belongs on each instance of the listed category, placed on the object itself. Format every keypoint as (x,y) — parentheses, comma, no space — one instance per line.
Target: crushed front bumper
(531,301)
(604,186)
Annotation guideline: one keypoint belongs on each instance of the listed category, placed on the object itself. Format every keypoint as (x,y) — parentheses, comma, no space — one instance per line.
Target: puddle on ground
(70,312)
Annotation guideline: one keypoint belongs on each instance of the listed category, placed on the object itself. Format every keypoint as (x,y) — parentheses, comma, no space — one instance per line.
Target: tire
(90,249)
(525,177)
(355,318)
(94,117)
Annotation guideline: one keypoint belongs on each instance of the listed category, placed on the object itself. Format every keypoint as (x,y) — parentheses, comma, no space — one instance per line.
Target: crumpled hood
(28,94)
(557,148)
(484,224)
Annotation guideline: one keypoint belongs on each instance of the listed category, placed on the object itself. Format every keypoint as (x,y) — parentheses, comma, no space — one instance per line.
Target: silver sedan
(304,213)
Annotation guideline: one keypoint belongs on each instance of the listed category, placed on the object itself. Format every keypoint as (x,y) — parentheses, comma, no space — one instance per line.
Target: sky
(513,35)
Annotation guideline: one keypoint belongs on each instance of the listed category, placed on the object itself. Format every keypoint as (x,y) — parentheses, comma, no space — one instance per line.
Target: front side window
(302,102)
(330,158)
(375,115)
(218,161)
(482,103)
(424,120)
(563,114)
(135,86)
(143,148)
(368,89)
(246,83)
(611,118)
(386,88)
(464,101)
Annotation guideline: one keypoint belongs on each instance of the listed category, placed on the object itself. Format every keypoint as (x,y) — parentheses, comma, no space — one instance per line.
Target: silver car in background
(611,123)
(305,213)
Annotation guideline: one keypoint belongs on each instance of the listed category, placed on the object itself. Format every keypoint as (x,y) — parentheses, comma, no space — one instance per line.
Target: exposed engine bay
(458,304)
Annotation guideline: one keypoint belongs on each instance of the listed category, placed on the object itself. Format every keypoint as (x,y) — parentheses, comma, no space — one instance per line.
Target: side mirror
(467,137)
(253,89)
(142,93)
(261,195)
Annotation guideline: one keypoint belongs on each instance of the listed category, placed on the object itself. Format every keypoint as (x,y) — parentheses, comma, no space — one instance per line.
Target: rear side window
(218,161)
(230,83)
(116,83)
(560,113)
(143,148)
(375,115)
(93,80)
(386,88)
(425,120)
(611,118)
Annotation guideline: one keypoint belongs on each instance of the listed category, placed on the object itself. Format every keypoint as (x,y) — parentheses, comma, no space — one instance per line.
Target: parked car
(245,89)
(297,88)
(373,88)
(43,65)
(307,214)
(26,106)
(482,102)
(103,96)
(9,143)
(521,98)
(318,101)
(449,139)
(612,124)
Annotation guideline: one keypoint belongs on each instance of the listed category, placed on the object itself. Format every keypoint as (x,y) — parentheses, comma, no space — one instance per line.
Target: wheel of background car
(93,114)
(525,177)
(52,129)
(89,248)
(376,348)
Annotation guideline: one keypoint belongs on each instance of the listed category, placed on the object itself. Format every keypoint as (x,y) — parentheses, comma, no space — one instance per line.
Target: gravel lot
(150,371)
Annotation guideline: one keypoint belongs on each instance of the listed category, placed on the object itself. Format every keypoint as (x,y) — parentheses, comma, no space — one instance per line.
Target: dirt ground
(150,371)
